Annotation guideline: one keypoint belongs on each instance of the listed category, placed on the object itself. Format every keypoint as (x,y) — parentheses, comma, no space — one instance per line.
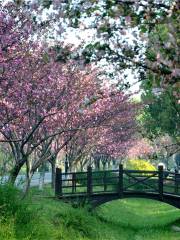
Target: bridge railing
(118,181)
(171,182)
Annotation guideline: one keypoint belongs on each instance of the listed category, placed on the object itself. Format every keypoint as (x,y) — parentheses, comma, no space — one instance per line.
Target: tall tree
(161,89)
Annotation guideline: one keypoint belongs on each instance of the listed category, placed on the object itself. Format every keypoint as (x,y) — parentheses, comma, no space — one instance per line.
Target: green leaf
(143,29)
(151,55)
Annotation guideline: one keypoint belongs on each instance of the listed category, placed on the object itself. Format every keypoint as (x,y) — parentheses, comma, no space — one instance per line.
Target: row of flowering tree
(45,104)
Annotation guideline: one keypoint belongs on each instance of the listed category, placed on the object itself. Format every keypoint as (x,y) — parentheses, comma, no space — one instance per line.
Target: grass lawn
(138,213)
(127,219)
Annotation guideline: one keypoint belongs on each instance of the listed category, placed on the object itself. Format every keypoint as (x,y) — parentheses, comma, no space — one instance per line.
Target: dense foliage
(119,32)
(161,115)
(161,88)
(139,164)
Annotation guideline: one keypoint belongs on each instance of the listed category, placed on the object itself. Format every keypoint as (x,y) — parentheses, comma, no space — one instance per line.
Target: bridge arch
(98,200)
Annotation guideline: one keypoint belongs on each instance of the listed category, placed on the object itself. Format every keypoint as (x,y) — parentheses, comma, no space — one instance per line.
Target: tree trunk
(53,172)
(66,166)
(41,180)
(29,175)
(70,167)
(14,173)
(27,185)
(109,165)
(104,165)
(81,166)
(97,164)
(113,164)
(42,176)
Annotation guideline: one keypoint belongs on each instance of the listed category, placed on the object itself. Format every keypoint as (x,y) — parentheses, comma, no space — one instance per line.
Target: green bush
(9,200)
(11,205)
(18,219)
(139,164)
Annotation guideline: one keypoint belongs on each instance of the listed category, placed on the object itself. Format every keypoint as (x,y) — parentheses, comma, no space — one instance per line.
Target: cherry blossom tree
(45,104)
(112,137)
(32,89)
(142,148)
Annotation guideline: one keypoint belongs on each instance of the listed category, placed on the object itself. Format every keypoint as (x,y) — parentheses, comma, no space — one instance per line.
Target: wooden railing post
(160,181)
(89,181)
(73,182)
(120,182)
(176,181)
(58,182)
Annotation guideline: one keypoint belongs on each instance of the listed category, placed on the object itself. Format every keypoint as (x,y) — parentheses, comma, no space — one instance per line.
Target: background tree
(161,114)
(141,149)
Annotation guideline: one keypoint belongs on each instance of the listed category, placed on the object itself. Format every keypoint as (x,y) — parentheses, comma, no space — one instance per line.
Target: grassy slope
(118,220)
(138,213)
(132,219)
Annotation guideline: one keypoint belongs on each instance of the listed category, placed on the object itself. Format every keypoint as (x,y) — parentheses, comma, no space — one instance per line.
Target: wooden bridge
(99,187)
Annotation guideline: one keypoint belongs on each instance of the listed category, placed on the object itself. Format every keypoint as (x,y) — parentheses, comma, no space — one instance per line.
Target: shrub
(18,220)
(139,164)
(11,205)
(9,200)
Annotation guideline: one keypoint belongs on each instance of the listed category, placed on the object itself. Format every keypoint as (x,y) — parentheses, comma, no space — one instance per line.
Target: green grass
(138,213)
(49,219)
